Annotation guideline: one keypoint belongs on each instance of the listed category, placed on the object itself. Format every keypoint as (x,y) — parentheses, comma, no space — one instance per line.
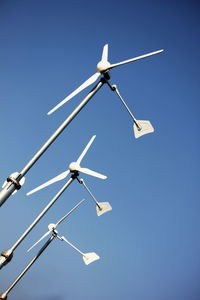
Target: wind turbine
(74,169)
(14,182)
(102,69)
(87,257)
(140,127)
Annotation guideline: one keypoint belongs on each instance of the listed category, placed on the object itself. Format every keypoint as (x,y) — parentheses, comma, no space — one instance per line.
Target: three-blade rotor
(102,67)
(87,257)
(73,167)
(52,226)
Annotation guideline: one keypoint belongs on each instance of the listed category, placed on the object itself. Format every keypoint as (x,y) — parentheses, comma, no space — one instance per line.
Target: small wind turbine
(74,169)
(87,257)
(140,127)
(102,69)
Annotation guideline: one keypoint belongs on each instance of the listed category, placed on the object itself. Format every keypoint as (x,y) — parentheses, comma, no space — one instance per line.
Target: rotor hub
(73,167)
(103,66)
(51,226)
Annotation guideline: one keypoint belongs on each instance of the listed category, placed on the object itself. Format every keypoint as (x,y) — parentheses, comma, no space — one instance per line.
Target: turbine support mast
(14,183)
(5,294)
(7,255)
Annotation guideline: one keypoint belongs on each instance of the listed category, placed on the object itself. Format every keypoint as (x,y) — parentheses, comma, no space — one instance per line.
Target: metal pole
(7,255)
(5,294)
(13,182)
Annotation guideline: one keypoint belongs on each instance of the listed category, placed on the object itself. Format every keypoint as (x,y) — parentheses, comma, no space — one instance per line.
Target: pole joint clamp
(14,181)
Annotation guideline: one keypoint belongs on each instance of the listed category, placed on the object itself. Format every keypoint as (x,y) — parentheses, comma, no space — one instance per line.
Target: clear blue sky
(150,243)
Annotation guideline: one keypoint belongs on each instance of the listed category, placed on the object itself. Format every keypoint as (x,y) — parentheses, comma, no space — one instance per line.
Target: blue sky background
(150,243)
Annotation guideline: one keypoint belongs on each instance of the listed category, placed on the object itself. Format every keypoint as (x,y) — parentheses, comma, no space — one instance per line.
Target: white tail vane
(88,258)
(144,127)
(101,207)
(52,226)
(102,67)
(73,167)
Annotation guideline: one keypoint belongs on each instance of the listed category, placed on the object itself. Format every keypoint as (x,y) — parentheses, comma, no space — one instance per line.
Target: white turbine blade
(88,82)
(105,54)
(47,233)
(145,128)
(85,150)
(90,172)
(55,179)
(69,213)
(88,258)
(102,208)
(134,59)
